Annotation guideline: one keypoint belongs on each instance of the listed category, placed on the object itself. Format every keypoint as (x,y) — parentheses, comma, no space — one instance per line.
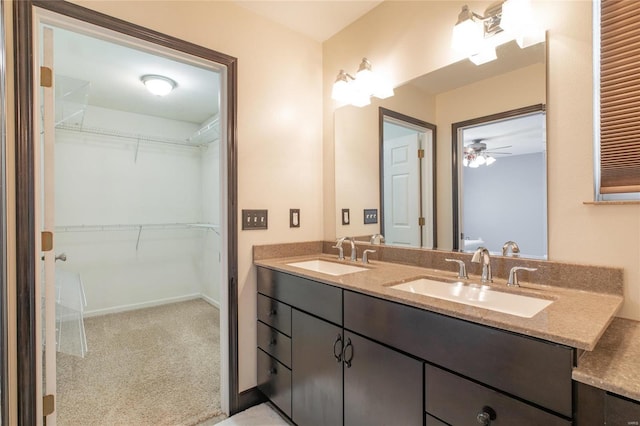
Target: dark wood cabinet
(317,371)
(621,411)
(459,401)
(360,360)
(274,381)
(528,368)
(596,407)
(381,385)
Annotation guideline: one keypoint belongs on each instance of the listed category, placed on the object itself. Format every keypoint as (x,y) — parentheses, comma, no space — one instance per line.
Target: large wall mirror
(456,93)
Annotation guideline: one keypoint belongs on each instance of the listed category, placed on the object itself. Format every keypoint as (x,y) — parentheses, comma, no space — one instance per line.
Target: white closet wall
(211,241)
(106,181)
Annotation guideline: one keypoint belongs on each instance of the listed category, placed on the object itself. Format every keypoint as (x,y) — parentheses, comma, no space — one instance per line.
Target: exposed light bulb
(358,90)
(467,33)
(342,89)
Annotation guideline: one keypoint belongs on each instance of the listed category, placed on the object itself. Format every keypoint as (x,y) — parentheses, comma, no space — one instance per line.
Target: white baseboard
(210,300)
(134,306)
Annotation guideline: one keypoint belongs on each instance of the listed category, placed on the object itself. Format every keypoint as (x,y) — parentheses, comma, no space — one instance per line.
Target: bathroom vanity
(351,349)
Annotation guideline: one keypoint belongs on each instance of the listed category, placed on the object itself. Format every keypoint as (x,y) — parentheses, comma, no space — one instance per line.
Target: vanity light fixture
(477,36)
(158,85)
(358,90)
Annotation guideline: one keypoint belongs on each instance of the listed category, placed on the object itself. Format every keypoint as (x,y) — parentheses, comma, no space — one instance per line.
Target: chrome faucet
(339,247)
(481,255)
(365,258)
(513,275)
(510,244)
(462,269)
(354,252)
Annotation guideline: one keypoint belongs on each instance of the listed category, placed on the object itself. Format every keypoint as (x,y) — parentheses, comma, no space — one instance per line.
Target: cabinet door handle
(338,353)
(486,415)
(273,341)
(273,312)
(348,358)
(273,371)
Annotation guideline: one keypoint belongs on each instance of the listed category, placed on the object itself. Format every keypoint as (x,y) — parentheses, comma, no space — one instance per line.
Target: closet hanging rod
(133,227)
(132,136)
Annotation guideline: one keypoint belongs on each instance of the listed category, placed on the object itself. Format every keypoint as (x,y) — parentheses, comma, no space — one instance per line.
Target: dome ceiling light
(158,85)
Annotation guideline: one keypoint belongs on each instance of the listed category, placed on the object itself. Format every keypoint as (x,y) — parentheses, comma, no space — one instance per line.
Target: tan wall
(279,128)
(409,39)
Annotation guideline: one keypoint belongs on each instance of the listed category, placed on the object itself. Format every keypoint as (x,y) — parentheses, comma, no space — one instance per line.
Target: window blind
(619,97)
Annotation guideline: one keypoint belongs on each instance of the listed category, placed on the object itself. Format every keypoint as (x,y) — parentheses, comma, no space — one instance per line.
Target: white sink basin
(329,268)
(477,295)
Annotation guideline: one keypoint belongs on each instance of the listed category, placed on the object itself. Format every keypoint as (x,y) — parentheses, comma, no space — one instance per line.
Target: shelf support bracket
(138,241)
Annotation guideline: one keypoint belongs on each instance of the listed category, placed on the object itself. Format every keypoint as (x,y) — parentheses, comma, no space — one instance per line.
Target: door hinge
(48,404)
(46,238)
(421,153)
(421,221)
(46,77)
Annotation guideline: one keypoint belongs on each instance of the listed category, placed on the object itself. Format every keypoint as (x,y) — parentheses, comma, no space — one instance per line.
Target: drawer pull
(338,353)
(486,415)
(273,371)
(346,348)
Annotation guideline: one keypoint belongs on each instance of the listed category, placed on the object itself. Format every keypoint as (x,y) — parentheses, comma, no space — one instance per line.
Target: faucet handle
(339,247)
(377,239)
(365,258)
(513,275)
(462,271)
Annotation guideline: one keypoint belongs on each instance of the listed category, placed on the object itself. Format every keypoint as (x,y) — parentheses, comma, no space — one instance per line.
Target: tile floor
(260,415)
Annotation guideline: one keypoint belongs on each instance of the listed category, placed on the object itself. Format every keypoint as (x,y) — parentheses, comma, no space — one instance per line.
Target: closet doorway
(134,185)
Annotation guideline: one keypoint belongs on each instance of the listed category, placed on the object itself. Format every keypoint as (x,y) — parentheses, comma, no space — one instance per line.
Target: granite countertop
(577,318)
(614,365)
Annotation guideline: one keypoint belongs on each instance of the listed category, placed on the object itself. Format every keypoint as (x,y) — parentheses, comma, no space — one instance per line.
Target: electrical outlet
(294,218)
(345,217)
(370,216)
(254,219)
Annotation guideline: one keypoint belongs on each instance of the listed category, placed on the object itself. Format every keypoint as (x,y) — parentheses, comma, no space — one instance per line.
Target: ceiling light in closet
(158,85)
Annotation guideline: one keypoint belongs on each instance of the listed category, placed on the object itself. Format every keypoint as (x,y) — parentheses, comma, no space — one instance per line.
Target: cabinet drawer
(274,314)
(458,401)
(620,411)
(529,368)
(432,421)
(321,300)
(274,343)
(274,380)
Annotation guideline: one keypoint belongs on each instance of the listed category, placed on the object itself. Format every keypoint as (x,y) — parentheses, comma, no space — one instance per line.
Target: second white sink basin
(329,268)
(477,295)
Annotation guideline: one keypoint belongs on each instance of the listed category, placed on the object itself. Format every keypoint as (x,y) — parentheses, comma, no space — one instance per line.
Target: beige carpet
(154,366)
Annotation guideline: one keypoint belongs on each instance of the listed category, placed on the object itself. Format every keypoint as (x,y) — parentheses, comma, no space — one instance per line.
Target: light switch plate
(345,217)
(370,216)
(254,219)
(294,218)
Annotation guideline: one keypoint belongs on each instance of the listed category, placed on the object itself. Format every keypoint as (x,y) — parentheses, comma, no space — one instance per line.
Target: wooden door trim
(25,185)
